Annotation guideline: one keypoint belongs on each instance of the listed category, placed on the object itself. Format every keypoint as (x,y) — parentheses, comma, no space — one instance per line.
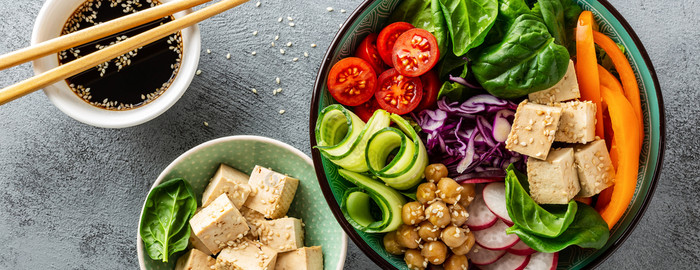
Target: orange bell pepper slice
(587,67)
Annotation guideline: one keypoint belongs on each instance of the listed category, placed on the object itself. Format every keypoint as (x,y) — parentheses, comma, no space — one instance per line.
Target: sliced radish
(543,261)
(495,199)
(481,256)
(480,180)
(521,249)
(495,237)
(508,261)
(480,217)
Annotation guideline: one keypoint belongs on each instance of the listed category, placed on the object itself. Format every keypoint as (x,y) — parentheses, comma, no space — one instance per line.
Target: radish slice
(508,261)
(495,199)
(543,261)
(495,237)
(481,256)
(501,125)
(480,217)
(521,249)
(480,180)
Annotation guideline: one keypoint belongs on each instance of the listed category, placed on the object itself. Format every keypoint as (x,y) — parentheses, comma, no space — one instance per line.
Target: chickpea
(426,192)
(435,252)
(438,214)
(434,172)
(456,262)
(449,191)
(407,236)
(414,260)
(468,194)
(428,232)
(412,213)
(453,236)
(391,245)
(466,247)
(458,214)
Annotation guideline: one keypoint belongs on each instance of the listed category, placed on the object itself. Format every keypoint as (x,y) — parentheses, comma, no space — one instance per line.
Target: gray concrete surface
(70,194)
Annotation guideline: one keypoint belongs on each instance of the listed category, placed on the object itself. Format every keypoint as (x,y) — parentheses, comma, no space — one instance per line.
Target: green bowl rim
(350,230)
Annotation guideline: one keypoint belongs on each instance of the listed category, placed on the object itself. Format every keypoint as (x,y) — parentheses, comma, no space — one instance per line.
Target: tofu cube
(195,260)
(255,221)
(283,234)
(577,122)
(565,89)
(249,255)
(272,192)
(230,181)
(594,167)
(555,180)
(219,224)
(306,258)
(534,129)
(198,244)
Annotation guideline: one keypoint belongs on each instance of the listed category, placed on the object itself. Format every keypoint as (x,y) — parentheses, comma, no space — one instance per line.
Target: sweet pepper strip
(587,67)
(608,80)
(621,115)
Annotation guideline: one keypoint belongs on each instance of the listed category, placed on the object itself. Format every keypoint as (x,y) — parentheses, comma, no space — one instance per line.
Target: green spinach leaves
(468,22)
(165,219)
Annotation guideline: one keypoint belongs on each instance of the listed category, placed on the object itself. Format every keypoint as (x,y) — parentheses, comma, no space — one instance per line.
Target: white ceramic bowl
(48,25)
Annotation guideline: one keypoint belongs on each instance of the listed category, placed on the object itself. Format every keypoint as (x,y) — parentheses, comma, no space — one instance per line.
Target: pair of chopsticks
(102,30)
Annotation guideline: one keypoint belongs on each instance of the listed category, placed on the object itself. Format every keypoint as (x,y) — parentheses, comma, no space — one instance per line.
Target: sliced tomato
(431,88)
(368,52)
(352,81)
(366,110)
(415,52)
(387,37)
(397,93)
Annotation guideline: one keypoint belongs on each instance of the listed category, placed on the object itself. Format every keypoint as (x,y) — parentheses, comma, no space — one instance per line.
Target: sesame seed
(313,45)
(228,56)
(279,90)
(277,37)
(342,11)
(306,54)
(277,80)
(253,53)
(258,4)
(289,44)
(199,71)
(290,18)
(279,20)
(329,9)
(282,111)
(255,91)
(295,59)
(206,124)
(291,24)
(272,44)
(282,51)
(208,51)
(255,33)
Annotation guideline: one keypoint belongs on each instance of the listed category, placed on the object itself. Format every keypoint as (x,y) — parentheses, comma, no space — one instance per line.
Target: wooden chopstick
(93,33)
(91,60)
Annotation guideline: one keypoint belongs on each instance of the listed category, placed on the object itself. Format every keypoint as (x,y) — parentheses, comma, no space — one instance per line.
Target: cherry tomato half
(431,88)
(368,52)
(366,110)
(415,52)
(352,81)
(397,93)
(387,37)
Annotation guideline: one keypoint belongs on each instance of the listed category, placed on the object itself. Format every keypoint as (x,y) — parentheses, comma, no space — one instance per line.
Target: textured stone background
(71,193)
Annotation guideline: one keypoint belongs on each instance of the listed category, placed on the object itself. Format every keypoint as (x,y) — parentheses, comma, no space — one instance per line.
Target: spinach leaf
(588,230)
(530,216)
(468,22)
(450,63)
(165,219)
(560,16)
(525,61)
(452,90)
(424,14)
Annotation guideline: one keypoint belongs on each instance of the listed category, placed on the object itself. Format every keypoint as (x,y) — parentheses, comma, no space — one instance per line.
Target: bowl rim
(180,158)
(350,230)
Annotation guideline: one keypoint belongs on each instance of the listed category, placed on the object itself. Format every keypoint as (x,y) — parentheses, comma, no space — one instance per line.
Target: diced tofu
(577,122)
(249,255)
(595,170)
(283,234)
(306,258)
(230,181)
(195,260)
(565,89)
(255,221)
(195,242)
(272,192)
(219,224)
(533,129)
(555,180)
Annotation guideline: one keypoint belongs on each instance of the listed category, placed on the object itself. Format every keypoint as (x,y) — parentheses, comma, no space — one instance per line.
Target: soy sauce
(132,79)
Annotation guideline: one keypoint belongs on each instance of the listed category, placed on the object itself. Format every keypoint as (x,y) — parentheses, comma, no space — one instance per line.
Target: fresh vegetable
(352,81)
(387,38)
(521,249)
(355,204)
(560,17)
(397,93)
(367,50)
(480,217)
(482,256)
(495,199)
(495,237)
(608,80)
(367,109)
(165,219)
(525,61)
(468,22)
(431,87)
(543,261)
(415,52)
(424,14)
(508,261)
(587,67)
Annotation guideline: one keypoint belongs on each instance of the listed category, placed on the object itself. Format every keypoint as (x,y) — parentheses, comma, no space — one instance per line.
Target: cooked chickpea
(414,260)
(434,172)
(438,214)
(391,245)
(426,192)
(413,213)
(428,232)
(456,262)
(458,214)
(435,252)
(449,191)
(466,246)
(407,236)
(454,236)
(468,194)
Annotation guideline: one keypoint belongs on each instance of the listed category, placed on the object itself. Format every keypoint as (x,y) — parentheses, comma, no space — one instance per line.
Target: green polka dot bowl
(371,16)
(199,164)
